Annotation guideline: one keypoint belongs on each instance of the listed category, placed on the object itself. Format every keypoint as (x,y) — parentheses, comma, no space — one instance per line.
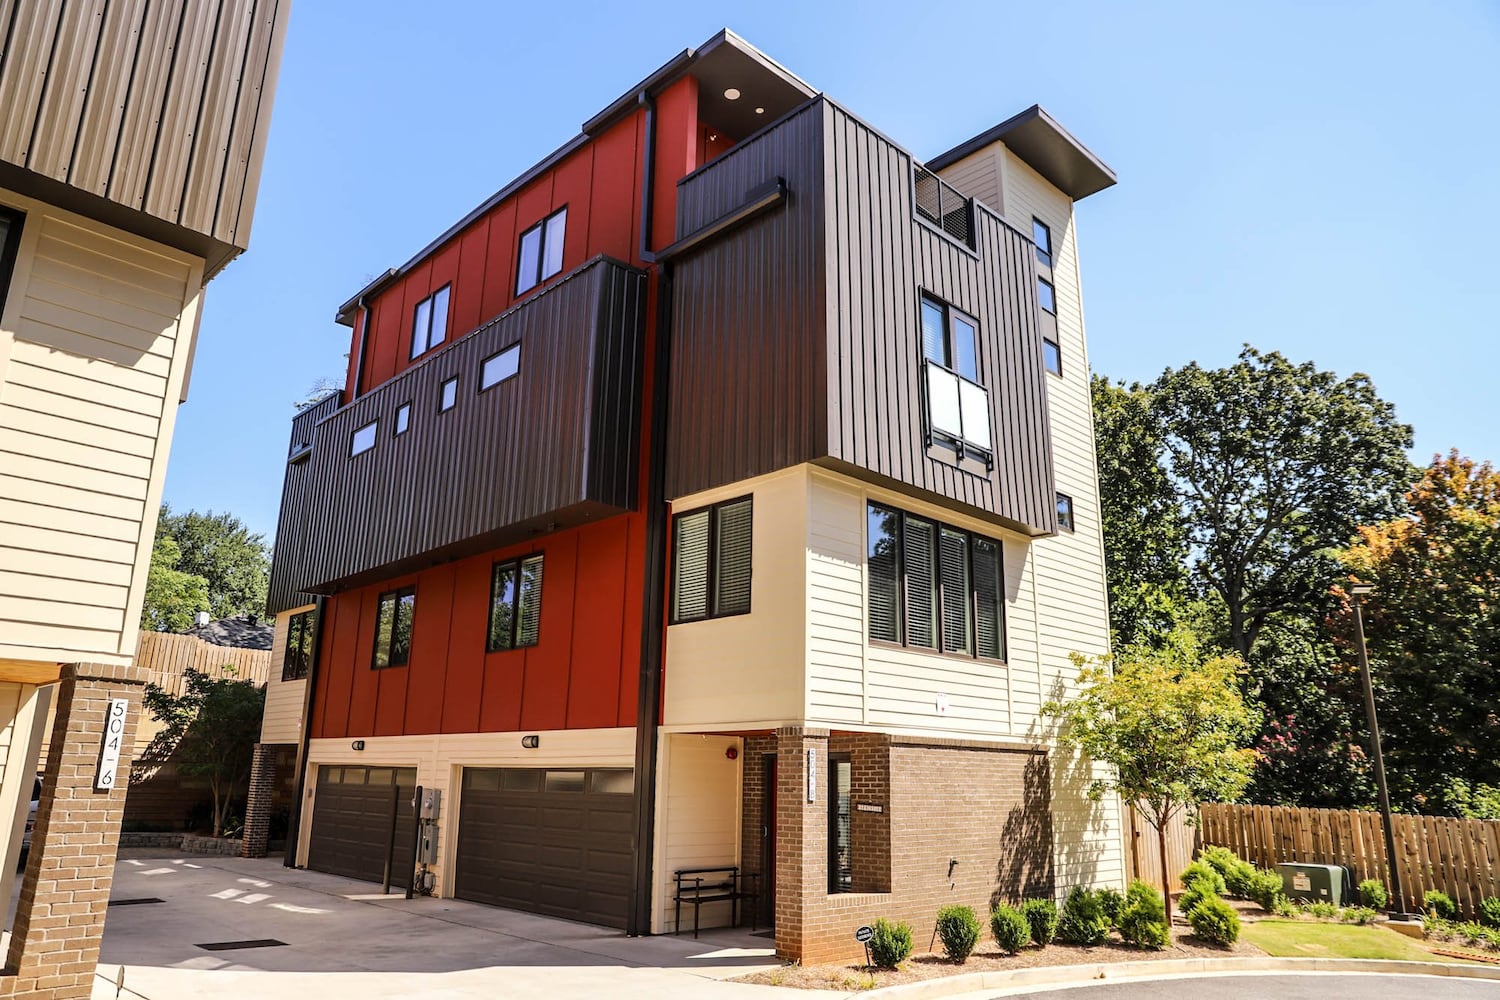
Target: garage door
(548,841)
(361,815)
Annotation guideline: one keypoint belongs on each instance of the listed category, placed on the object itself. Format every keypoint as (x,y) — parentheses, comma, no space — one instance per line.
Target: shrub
(1041,915)
(1201,875)
(1372,893)
(1143,920)
(1359,915)
(1321,910)
(1237,874)
(1439,904)
(1215,920)
(1470,932)
(959,930)
(1283,907)
(1010,928)
(1489,912)
(891,944)
(1113,902)
(1083,920)
(1192,899)
(1265,886)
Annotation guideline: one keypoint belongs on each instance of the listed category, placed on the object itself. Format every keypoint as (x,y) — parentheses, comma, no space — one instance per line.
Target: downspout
(653,602)
(294,819)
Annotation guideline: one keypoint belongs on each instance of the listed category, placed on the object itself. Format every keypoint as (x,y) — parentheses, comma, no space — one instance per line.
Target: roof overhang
(1046,147)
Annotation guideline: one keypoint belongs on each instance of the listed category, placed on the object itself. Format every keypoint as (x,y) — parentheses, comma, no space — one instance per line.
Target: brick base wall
(258,801)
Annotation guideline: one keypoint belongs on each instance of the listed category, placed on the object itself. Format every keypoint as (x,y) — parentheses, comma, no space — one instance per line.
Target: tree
(1145,538)
(1170,725)
(208,731)
(1433,626)
(173,598)
(1274,466)
(220,549)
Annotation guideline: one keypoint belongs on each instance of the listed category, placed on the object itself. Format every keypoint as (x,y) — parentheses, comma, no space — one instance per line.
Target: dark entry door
(549,841)
(362,815)
(768,845)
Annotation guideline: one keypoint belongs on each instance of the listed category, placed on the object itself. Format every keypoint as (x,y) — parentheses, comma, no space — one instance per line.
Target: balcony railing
(958,409)
(940,204)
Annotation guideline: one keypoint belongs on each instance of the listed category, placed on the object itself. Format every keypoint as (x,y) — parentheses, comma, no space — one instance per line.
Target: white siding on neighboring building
(698,821)
(94,342)
(282,722)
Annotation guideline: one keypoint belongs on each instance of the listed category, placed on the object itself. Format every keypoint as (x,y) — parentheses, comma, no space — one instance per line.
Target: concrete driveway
(335,937)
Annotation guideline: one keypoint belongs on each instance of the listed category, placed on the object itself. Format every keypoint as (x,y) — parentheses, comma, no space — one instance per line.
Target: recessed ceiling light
(760,111)
(732,94)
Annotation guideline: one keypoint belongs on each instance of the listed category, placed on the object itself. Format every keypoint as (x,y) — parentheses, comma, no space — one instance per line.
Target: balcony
(527,425)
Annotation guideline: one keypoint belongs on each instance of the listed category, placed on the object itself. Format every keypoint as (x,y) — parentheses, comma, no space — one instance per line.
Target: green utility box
(1316,883)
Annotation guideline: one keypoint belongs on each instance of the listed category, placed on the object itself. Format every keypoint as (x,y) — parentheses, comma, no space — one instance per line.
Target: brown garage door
(548,841)
(361,815)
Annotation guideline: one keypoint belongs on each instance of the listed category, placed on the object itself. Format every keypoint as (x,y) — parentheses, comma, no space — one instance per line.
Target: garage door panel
(352,823)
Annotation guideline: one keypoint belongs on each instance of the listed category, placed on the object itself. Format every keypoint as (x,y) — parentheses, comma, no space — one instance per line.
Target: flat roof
(1046,147)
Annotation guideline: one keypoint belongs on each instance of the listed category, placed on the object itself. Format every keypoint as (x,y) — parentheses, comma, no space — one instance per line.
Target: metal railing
(940,204)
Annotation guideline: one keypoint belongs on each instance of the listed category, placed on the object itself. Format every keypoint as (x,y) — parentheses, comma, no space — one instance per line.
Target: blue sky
(1314,178)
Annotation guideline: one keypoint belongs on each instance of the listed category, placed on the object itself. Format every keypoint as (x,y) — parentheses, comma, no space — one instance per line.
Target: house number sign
(114,738)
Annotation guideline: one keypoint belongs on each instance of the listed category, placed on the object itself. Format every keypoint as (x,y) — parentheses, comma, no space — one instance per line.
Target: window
(1051,355)
(711,561)
(498,367)
(10,241)
(934,586)
(1042,237)
(363,439)
(541,251)
(448,394)
(393,619)
(403,418)
(840,843)
(1064,512)
(299,644)
(429,324)
(515,604)
(1045,295)
(958,407)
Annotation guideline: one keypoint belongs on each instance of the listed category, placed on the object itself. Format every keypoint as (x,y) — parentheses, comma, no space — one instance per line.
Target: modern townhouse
(720,492)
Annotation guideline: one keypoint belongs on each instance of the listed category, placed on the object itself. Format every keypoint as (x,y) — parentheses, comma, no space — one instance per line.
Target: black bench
(716,884)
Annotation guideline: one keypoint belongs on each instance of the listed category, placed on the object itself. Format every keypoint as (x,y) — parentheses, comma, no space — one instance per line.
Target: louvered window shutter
(885,574)
(529,613)
(919,538)
(954,567)
(732,559)
(690,559)
(989,591)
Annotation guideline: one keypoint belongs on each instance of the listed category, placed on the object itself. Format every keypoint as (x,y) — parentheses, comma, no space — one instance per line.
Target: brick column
(801,837)
(59,921)
(258,801)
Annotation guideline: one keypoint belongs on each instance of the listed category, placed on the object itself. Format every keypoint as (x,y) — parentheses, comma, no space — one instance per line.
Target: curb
(1074,975)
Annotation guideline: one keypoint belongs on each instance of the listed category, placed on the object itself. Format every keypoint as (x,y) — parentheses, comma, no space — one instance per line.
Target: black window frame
(374,428)
(840,879)
(301,633)
(1067,517)
(10,249)
(1051,288)
(1043,256)
(950,311)
(541,273)
(963,446)
(453,381)
(517,565)
(1052,355)
(404,410)
(902,589)
(516,348)
(428,344)
(711,570)
(396,597)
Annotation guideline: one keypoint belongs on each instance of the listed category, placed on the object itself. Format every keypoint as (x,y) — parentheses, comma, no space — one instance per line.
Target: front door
(768,845)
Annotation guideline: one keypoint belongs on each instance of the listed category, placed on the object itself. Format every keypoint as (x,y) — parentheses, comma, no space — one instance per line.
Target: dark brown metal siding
(548,448)
(161,107)
(885,258)
(280,595)
(748,394)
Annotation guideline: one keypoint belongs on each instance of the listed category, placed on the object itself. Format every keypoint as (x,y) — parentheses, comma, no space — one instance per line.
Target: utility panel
(431,799)
(1304,883)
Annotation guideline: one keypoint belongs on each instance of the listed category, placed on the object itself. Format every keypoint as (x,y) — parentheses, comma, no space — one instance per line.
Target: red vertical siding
(676,154)
(463,673)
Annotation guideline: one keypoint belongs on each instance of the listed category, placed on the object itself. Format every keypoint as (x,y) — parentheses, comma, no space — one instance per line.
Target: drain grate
(236,945)
(137,901)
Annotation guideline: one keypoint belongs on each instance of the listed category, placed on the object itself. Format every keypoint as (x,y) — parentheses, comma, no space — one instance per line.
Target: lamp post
(1359,591)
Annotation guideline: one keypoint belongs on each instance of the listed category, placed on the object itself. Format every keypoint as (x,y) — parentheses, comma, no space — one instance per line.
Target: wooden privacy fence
(1460,857)
(168,656)
(1145,850)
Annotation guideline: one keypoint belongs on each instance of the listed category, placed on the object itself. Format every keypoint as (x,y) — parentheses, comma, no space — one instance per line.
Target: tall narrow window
(1046,296)
(934,586)
(515,604)
(448,394)
(840,833)
(1064,512)
(958,406)
(1051,355)
(1041,235)
(403,418)
(711,571)
(299,639)
(541,251)
(429,324)
(393,620)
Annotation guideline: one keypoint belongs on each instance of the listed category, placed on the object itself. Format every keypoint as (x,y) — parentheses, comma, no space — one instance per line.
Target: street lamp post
(1358,592)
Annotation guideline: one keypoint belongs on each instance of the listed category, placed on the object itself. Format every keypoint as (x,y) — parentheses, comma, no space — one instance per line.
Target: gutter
(294,820)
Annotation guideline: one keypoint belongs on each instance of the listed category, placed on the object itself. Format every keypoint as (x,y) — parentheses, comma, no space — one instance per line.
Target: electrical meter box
(1304,883)
(427,848)
(428,807)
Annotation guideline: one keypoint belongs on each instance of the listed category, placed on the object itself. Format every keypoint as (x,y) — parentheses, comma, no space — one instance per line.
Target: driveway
(1271,986)
(276,932)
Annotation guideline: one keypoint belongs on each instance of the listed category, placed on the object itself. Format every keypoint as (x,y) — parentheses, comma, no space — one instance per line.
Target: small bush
(1489,912)
(958,929)
(1283,907)
(1113,902)
(1321,910)
(1471,933)
(1439,904)
(1143,920)
(1372,893)
(1041,915)
(1265,886)
(891,944)
(1237,874)
(1083,920)
(1359,915)
(1215,920)
(1201,875)
(1192,898)
(1010,927)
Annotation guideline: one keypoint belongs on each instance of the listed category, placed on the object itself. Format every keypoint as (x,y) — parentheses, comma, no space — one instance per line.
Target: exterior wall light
(531,742)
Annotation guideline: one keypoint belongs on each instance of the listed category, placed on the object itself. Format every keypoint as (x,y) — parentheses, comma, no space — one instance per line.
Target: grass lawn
(1310,939)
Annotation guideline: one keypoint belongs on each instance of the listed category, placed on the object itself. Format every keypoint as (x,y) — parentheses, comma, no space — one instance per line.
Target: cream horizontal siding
(698,819)
(978,176)
(282,722)
(93,346)
(836,680)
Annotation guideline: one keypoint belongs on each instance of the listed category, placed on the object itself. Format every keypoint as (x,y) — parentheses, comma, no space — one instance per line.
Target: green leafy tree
(208,731)
(1170,725)
(173,597)
(1274,466)
(219,548)
(1433,627)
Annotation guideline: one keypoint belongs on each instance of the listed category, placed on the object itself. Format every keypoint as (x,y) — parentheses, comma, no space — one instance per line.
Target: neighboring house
(237,631)
(130,153)
(720,491)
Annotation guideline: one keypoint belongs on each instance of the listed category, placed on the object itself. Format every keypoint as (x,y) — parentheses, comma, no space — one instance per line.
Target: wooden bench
(716,884)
